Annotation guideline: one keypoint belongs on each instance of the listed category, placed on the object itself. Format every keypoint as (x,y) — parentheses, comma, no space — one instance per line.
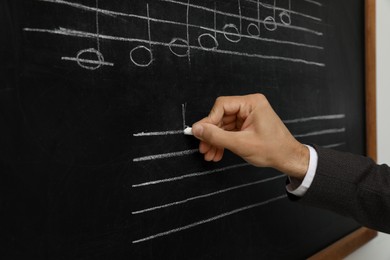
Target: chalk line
(97,26)
(190,175)
(322,132)
(305,119)
(80,6)
(288,121)
(207,195)
(333,145)
(286,10)
(88,61)
(159,133)
(244,17)
(188,33)
(165,155)
(313,2)
(204,221)
(75,33)
(183,115)
(115,13)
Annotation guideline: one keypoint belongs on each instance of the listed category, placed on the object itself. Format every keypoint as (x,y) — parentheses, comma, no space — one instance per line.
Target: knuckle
(260,97)
(219,101)
(261,100)
(220,98)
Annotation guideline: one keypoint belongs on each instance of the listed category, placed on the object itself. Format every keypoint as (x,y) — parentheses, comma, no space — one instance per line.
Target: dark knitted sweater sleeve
(351,185)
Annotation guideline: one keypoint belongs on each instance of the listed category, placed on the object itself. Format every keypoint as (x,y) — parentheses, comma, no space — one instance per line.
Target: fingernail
(197,130)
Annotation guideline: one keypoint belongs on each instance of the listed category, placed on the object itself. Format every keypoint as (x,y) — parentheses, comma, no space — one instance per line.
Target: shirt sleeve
(298,188)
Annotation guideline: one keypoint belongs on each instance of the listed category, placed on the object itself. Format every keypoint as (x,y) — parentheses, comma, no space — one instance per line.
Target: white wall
(379,248)
(383,79)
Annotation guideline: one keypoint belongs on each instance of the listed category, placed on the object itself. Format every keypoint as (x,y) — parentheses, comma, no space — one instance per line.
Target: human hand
(249,127)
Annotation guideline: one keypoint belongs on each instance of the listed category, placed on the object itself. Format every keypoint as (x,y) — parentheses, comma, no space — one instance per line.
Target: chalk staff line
(204,221)
(314,118)
(286,10)
(243,17)
(159,133)
(333,145)
(190,175)
(116,13)
(156,20)
(313,2)
(288,121)
(322,132)
(165,155)
(81,34)
(197,174)
(207,195)
(88,61)
(193,151)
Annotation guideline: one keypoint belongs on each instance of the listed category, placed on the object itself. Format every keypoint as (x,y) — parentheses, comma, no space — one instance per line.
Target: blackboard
(95,95)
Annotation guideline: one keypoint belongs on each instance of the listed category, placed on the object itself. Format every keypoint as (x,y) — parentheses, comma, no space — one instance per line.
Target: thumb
(214,135)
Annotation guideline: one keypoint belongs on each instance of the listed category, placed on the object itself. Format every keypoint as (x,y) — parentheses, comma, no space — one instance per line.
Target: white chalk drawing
(184,47)
(270,21)
(287,121)
(190,175)
(159,133)
(314,118)
(253,29)
(168,132)
(90,64)
(289,11)
(143,48)
(250,19)
(313,2)
(183,115)
(237,30)
(142,54)
(95,64)
(285,15)
(75,33)
(165,155)
(114,14)
(188,31)
(334,145)
(322,132)
(193,151)
(228,36)
(212,37)
(209,35)
(207,195)
(204,221)
(138,63)
(180,44)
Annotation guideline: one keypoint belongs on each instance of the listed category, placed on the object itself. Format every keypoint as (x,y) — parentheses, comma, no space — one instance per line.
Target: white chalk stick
(188,131)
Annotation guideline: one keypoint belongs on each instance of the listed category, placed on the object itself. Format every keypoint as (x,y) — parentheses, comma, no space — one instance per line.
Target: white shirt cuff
(299,188)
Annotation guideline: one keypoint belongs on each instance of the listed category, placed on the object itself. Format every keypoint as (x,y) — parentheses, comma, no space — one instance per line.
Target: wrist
(297,162)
